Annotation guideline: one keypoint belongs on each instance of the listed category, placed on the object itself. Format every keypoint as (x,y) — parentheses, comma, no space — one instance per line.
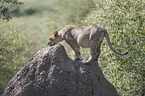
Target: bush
(5,8)
(11,49)
(124,20)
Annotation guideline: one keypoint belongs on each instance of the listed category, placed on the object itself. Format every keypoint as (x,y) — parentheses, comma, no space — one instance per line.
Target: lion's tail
(109,43)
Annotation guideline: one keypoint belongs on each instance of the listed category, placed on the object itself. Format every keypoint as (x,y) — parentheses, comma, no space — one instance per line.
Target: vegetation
(4,8)
(11,48)
(124,20)
(27,33)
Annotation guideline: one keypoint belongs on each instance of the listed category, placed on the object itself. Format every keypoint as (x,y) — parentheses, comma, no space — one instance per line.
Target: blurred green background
(34,21)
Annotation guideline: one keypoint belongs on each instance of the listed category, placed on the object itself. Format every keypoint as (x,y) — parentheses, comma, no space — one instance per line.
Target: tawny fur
(83,36)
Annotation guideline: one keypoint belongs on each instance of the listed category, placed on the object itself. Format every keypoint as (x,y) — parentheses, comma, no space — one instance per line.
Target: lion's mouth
(51,44)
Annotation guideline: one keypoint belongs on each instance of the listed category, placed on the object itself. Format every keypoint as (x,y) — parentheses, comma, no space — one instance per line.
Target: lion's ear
(56,33)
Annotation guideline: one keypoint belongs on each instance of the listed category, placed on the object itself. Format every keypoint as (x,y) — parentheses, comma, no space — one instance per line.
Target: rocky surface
(50,72)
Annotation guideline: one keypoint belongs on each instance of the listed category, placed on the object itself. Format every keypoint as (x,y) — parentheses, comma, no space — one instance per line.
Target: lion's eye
(55,35)
(50,39)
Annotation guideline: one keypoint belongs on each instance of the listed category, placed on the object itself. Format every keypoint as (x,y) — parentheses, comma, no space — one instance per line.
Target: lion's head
(55,38)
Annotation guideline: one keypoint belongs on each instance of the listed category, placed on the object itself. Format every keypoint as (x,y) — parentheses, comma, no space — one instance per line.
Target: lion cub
(83,36)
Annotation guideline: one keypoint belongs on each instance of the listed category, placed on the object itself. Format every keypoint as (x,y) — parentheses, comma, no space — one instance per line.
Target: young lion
(83,36)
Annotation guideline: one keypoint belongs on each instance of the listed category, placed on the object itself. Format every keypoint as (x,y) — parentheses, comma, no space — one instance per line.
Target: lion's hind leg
(95,45)
(94,52)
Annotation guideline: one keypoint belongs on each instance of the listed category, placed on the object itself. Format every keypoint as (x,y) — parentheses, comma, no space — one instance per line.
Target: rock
(50,72)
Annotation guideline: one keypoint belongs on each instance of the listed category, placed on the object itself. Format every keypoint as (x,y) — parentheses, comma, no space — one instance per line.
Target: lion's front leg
(76,49)
(77,56)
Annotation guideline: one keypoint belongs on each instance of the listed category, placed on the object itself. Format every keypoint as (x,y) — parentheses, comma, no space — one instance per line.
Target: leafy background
(124,20)
(34,21)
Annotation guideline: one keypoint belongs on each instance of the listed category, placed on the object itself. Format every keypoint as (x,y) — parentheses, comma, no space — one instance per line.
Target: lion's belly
(82,36)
